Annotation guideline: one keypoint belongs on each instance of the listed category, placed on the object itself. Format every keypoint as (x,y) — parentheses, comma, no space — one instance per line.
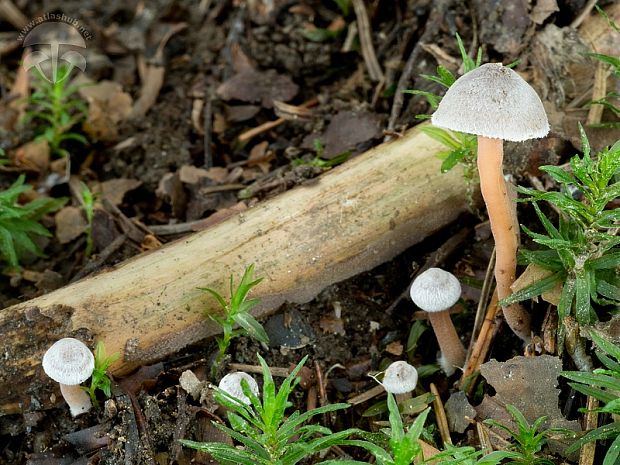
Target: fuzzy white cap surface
(400,377)
(435,290)
(231,384)
(493,101)
(68,361)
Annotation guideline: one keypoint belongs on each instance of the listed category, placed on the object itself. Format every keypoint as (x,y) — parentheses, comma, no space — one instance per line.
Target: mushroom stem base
(502,210)
(452,349)
(76,398)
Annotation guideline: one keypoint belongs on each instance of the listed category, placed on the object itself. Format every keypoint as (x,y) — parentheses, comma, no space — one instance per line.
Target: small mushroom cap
(435,290)
(69,361)
(231,384)
(400,377)
(493,101)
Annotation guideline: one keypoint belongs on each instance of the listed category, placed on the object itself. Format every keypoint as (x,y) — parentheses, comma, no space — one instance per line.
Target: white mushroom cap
(231,384)
(68,361)
(493,101)
(400,377)
(435,290)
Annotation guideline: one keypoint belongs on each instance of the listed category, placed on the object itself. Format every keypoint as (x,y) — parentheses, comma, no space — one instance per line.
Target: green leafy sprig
(582,252)
(268,435)
(20,223)
(237,320)
(603,384)
(99,379)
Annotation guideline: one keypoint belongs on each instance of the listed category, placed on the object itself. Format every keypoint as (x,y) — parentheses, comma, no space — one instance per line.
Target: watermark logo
(57,42)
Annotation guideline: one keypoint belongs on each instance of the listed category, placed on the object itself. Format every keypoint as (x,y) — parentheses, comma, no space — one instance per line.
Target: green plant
(88,200)
(582,253)
(268,436)
(20,223)
(403,446)
(99,379)
(55,104)
(237,312)
(528,440)
(603,384)
(318,161)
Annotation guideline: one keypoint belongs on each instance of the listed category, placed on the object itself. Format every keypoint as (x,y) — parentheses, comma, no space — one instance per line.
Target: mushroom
(69,362)
(400,378)
(231,384)
(496,104)
(435,291)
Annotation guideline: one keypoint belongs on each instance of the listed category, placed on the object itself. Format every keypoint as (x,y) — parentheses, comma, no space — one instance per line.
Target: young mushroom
(496,104)
(400,378)
(69,362)
(435,291)
(231,384)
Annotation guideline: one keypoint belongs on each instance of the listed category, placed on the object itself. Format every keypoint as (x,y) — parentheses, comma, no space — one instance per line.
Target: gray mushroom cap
(493,101)
(400,377)
(68,361)
(435,290)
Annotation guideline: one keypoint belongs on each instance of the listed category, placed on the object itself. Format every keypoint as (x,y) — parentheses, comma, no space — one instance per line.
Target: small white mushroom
(70,362)
(435,291)
(231,384)
(400,378)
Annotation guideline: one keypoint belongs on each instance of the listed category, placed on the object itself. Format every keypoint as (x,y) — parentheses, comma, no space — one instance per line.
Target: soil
(229,68)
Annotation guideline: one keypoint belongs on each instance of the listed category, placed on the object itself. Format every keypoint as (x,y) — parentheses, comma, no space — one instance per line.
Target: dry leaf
(258,86)
(108,105)
(348,129)
(70,223)
(542,10)
(529,384)
(34,156)
(115,189)
(534,273)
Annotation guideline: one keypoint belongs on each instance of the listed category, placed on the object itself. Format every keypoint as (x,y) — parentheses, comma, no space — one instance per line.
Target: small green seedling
(583,251)
(99,379)
(88,200)
(603,384)
(20,224)
(319,162)
(55,105)
(268,435)
(528,440)
(237,312)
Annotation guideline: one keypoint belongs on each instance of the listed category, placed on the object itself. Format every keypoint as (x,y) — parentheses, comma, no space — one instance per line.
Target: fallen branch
(350,220)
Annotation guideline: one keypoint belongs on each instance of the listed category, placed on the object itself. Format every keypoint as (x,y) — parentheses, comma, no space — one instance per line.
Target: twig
(483,343)
(599,90)
(275,371)
(440,415)
(586,456)
(585,12)
(365,35)
(482,303)
(249,134)
(13,15)
(365,396)
(432,25)
(207,121)
(103,257)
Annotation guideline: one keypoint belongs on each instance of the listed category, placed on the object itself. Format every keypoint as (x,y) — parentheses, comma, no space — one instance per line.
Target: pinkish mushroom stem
(452,349)
(502,211)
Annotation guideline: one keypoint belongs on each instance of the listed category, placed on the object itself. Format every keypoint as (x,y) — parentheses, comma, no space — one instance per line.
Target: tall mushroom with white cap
(435,291)
(70,362)
(496,104)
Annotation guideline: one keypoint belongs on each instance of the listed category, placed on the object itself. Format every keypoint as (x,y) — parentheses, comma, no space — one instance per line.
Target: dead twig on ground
(440,415)
(365,36)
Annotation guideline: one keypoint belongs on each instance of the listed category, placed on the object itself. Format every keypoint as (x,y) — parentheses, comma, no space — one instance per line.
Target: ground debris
(258,86)
(529,384)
